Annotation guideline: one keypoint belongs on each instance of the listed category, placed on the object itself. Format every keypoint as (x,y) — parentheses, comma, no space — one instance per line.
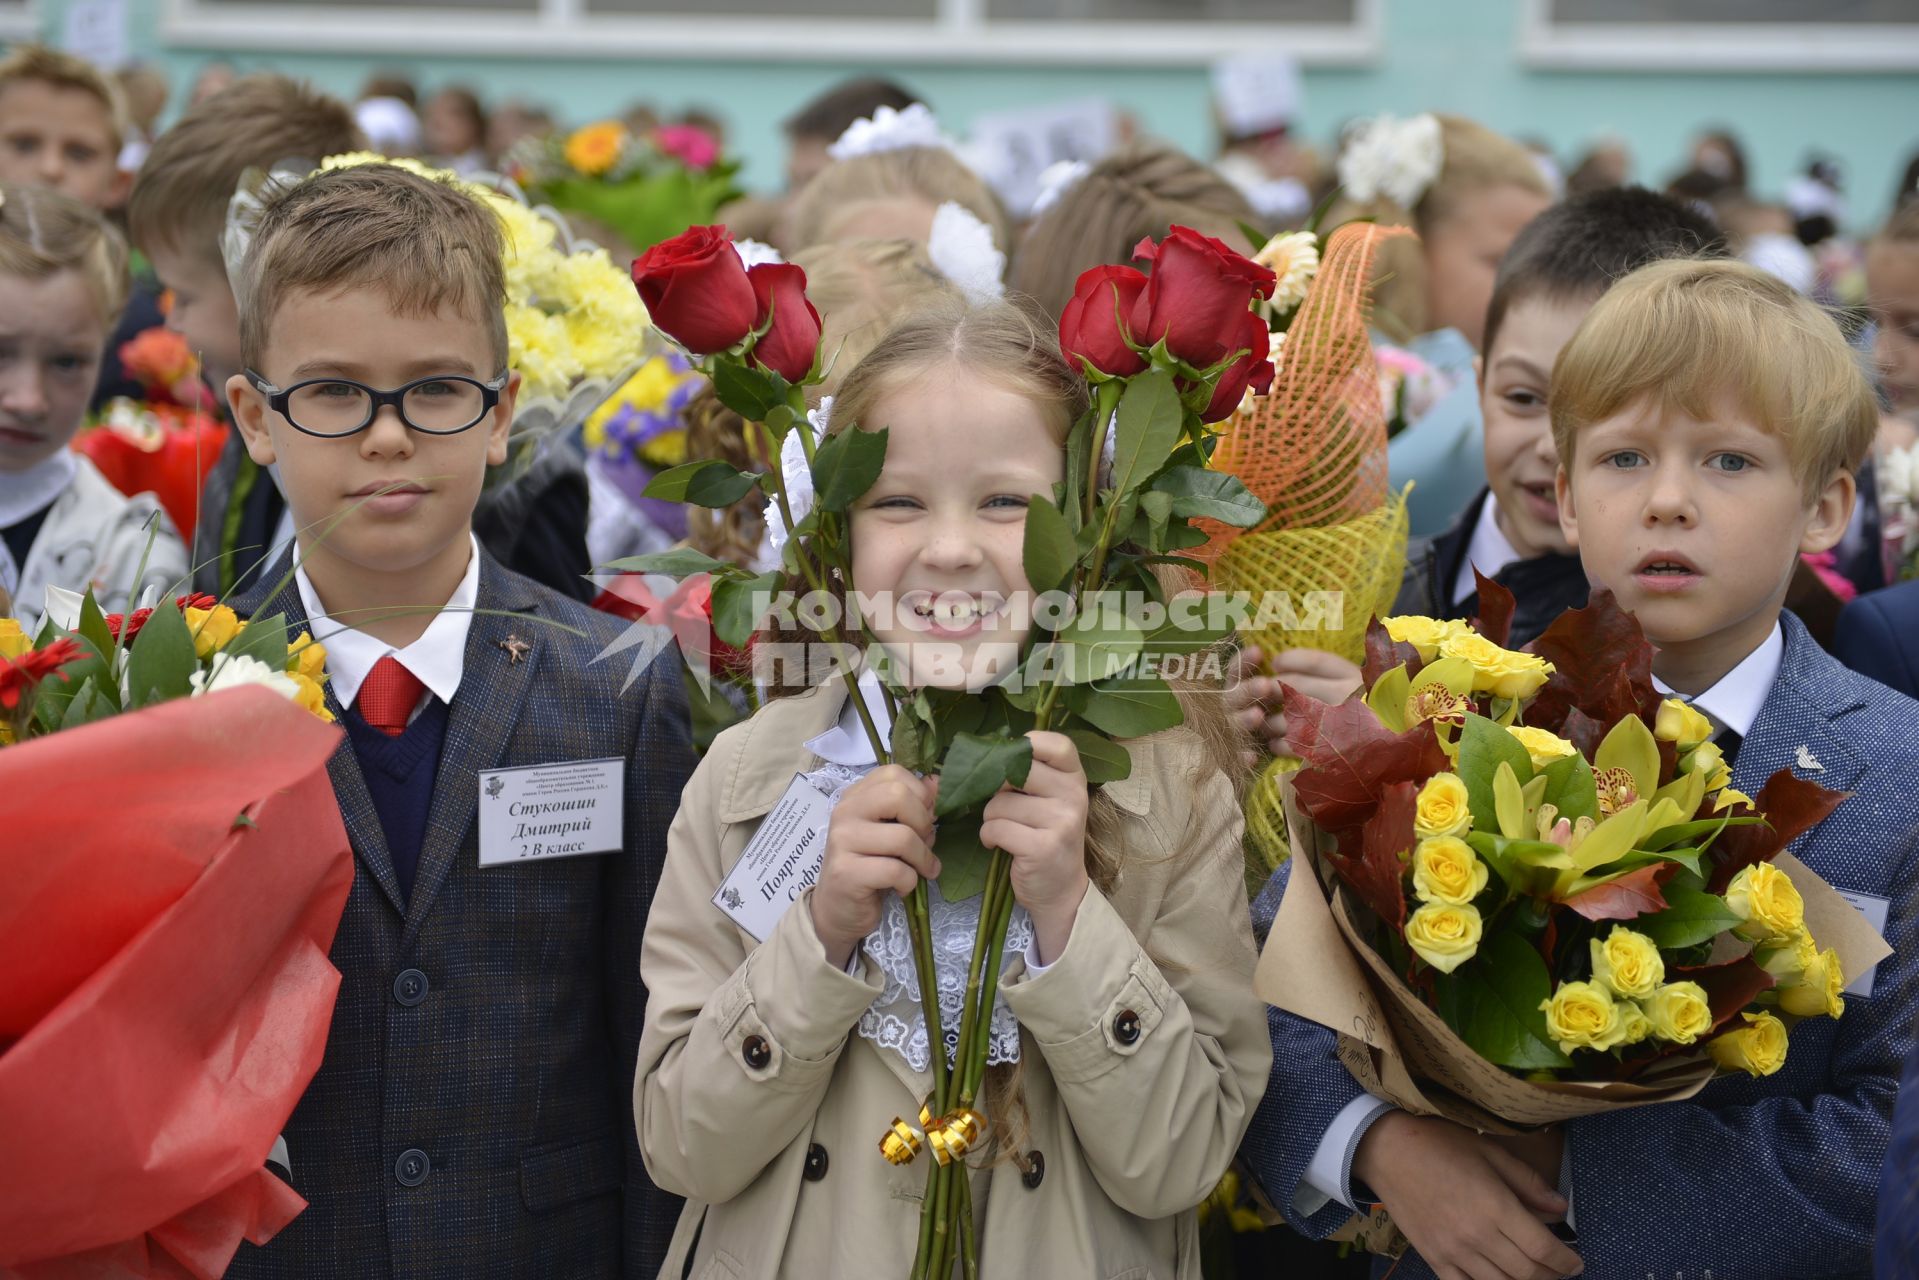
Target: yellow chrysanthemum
(595,148)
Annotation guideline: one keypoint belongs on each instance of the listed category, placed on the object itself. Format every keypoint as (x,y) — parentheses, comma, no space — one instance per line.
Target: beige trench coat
(759,1102)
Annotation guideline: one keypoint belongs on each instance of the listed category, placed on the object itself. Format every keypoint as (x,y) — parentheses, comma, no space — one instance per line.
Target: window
(1781,35)
(17,20)
(1103,32)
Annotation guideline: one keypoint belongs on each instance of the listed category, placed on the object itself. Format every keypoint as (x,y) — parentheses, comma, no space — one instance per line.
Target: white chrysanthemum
(796,477)
(1397,159)
(754,253)
(961,246)
(1294,257)
(231,672)
(1898,470)
(889,130)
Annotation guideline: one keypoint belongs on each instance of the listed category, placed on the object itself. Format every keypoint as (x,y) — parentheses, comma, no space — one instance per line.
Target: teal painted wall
(1457,55)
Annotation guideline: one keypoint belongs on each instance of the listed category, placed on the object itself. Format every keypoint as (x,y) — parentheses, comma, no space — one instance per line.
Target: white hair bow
(890,130)
(1394,158)
(961,246)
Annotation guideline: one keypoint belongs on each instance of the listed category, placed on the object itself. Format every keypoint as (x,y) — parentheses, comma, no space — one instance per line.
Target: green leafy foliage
(161,660)
(1213,495)
(739,603)
(1483,747)
(1691,917)
(264,638)
(752,393)
(846,466)
(1493,1001)
(680,562)
(706,483)
(1102,759)
(1130,707)
(976,766)
(1048,551)
(963,860)
(1150,418)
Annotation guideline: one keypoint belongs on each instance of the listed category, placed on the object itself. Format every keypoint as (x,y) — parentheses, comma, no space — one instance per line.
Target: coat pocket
(573,1169)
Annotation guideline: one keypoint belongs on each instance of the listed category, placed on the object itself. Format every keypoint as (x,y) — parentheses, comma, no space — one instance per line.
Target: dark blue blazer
(1878,636)
(1899,1186)
(1771,1179)
(473,1115)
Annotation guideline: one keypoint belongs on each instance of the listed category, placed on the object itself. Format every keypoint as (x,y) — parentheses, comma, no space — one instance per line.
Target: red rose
(1251,370)
(1091,327)
(695,289)
(1197,297)
(790,346)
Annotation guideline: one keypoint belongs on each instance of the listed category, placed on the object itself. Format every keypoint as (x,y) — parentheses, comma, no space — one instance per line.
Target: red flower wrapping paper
(168,981)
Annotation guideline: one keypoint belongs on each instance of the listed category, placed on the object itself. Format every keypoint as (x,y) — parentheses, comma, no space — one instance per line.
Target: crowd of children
(579,1066)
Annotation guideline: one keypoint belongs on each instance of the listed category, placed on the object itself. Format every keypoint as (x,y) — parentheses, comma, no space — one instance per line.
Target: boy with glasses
(507,802)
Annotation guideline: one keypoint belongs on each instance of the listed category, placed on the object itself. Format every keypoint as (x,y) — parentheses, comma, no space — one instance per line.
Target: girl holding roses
(1128,1049)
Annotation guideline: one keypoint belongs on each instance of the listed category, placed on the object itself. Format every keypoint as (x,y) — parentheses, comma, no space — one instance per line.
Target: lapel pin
(516,649)
(1809,762)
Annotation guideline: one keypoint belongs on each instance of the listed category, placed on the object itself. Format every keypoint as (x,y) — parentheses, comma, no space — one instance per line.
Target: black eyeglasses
(441,405)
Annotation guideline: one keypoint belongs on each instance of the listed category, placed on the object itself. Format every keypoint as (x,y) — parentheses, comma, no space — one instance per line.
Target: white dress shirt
(437,658)
(1489,550)
(1735,698)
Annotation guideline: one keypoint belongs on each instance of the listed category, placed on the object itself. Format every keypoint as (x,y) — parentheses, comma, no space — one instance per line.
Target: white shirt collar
(1735,700)
(1489,550)
(438,657)
(846,743)
(24,492)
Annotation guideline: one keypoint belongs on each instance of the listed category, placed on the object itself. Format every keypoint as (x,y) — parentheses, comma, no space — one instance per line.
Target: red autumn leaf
(1383,653)
(1632,895)
(1579,729)
(1495,620)
(1792,805)
(1602,665)
(1351,758)
(1374,873)
(1729,987)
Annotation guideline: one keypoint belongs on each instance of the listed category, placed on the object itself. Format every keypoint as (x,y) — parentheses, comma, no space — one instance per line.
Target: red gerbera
(24,673)
(118,623)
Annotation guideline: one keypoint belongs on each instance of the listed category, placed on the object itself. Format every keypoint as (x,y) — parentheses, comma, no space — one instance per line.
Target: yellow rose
(1758,1048)
(1445,870)
(1583,1015)
(1638,1025)
(1764,898)
(1820,989)
(13,641)
(1679,1012)
(1627,963)
(310,695)
(1423,634)
(1445,937)
(213,629)
(1442,809)
(306,656)
(1500,672)
(1680,722)
(1543,747)
(1786,960)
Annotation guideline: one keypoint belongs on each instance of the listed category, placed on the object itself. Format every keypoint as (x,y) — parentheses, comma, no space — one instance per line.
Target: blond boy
(62,124)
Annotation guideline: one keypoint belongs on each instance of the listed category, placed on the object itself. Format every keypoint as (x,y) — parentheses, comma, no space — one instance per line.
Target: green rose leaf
(751,393)
(1048,552)
(1690,918)
(846,466)
(1150,418)
(1131,708)
(707,483)
(963,859)
(1493,1001)
(740,603)
(1212,495)
(1483,747)
(1102,759)
(680,562)
(162,661)
(975,767)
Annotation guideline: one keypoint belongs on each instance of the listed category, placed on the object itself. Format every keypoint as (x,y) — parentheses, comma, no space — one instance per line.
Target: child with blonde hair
(1135,1050)
(62,124)
(890,194)
(63,281)
(1467,191)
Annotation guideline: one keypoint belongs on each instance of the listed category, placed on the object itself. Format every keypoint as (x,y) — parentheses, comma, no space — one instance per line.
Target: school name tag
(552,811)
(1875,909)
(779,862)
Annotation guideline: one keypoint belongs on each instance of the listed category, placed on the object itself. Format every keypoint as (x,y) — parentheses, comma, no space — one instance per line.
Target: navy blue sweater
(399,775)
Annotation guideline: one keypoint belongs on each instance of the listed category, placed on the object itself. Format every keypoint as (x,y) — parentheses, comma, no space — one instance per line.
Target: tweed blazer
(473,1115)
(1769,1179)
(1898,1244)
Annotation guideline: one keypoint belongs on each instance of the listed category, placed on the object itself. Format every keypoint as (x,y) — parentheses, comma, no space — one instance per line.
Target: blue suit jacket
(1771,1179)
(514,1072)
(1898,1248)
(1878,636)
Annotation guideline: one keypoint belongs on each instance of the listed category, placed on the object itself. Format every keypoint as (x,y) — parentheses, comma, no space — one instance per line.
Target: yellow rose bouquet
(1527,889)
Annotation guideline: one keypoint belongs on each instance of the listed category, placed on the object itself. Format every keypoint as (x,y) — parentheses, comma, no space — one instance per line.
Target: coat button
(815,1162)
(1126,1027)
(410,987)
(411,1168)
(756,1052)
(1035,1170)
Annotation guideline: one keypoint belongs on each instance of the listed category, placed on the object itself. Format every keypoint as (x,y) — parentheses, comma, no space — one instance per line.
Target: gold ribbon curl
(951,1137)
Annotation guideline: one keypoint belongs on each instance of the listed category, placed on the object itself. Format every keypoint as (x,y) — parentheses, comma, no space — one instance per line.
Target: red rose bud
(1091,328)
(1252,370)
(695,289)
(1197,297)
(791,345)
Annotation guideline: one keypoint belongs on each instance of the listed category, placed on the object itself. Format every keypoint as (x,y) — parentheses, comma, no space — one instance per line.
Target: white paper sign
(552,811)
(1874,910)
(97,31)
(779,862)
(1015,147)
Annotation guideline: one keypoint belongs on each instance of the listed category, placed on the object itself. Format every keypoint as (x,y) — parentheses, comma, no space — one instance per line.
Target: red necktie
(388,695)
